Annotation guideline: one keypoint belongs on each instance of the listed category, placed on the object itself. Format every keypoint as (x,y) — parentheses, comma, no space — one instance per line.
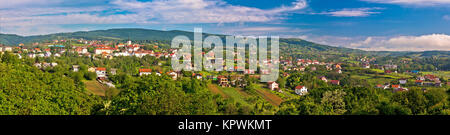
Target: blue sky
(404,25)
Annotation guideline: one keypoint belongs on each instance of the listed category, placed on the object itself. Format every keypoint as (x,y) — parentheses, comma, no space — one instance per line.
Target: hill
(136,34)
(111,34)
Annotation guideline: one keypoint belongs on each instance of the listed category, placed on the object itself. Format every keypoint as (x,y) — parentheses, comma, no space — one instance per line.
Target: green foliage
(90,75)
(25,90)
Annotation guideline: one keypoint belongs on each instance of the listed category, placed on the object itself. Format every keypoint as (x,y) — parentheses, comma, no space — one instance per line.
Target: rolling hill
(137,34)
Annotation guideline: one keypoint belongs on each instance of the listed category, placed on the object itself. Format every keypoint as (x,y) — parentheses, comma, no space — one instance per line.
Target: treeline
(354,98)
(160,95)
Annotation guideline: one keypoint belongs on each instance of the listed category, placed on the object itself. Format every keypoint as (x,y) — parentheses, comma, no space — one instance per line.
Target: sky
(377,25)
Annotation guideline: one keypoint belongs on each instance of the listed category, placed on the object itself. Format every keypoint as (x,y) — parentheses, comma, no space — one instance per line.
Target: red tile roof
(334,81)
(145,70)
(299,87)
(101,69)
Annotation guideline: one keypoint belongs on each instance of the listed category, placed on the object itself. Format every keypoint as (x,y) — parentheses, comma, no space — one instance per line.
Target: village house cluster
(100,49)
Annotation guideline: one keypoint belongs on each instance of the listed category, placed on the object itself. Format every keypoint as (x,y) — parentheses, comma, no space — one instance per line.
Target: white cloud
(412,2)
(405,43)
(352,12)
(204,11)
(380,43)
(21,14)
(260,30)
(446,17)
(26,3)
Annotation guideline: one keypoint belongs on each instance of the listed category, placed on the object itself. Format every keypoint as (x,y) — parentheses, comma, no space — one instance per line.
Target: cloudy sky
(393,25)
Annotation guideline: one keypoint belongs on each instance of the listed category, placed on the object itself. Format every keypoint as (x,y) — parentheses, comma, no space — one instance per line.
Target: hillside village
(112,71)
(108,50)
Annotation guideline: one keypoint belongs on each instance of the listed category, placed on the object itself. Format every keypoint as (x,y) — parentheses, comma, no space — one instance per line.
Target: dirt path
(272,98)
(213,88)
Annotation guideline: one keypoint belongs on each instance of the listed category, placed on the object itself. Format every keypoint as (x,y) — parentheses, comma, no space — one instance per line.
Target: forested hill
(136,34)
(111,34)
(143,34)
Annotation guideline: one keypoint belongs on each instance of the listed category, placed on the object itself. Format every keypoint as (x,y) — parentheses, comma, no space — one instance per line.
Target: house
(104,50)
(7,49)
(301,90)
(301,68)
(101,72)
(398,88)
(223,81)
(145,72)
(91,69)
(38,65)
(430,77)
(382,86)
(197,76)
(249,71)
(421,78)
(113,71)
(402,81)
(387,71)
(390,66)
(272,85)
(323,78)
(158,73)
(428,83)
(46,65)
(419,82)
(366,65)
(81,50)
(132,47)
(75,68)
(174,75)
(337,66)
(47,54)
(438,84)
(335,82)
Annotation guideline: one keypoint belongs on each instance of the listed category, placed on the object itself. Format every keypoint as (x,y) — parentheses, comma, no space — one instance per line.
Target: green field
(241,96)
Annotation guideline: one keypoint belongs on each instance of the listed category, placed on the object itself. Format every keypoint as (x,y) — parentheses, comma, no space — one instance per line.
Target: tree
(333,102)
(90,75)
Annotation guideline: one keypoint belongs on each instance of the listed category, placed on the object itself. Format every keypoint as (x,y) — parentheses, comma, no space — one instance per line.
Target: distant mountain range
(136,34)
(111,34)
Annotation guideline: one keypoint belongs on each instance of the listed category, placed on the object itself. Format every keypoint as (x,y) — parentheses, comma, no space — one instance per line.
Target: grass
(215,90)
(272,98)
(240,96)
(226,92)
(94,87)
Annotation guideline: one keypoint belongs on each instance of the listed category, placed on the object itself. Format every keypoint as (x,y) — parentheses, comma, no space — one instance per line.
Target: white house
(75,68)
(273,85)
(145,72)
(48,54)
(101,72)
(54,64)
(173,75)
(106,50)
(7,49)
(301,90)
(124,53)
(402,81)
